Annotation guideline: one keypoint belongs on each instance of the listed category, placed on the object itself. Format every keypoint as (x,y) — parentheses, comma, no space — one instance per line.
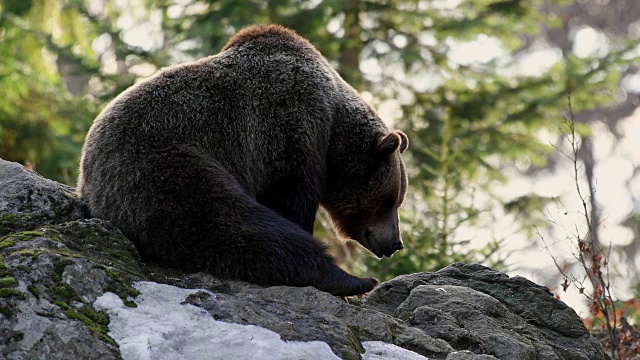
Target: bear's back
(252,108)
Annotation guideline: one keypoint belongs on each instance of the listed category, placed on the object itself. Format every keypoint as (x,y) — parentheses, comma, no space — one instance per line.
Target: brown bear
(220,165)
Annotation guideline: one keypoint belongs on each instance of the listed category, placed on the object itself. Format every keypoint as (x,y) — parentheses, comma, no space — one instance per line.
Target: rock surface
(62,276)
(28,201)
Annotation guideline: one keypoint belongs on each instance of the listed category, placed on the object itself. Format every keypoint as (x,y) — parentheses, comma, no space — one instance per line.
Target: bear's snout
(383,242)
(394,247)
(397,246)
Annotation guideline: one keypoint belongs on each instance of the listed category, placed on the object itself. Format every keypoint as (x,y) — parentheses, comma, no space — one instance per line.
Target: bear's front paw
(374,282)
(353,286)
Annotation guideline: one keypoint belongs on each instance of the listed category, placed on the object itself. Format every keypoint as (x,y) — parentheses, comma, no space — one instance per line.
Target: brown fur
(267,33)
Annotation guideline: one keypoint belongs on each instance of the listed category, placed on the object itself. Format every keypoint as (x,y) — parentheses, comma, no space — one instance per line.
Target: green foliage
(41,124)
(476,120)
(48,60)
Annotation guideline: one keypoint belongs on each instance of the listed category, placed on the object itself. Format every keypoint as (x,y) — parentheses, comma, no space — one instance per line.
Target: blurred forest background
(479,86)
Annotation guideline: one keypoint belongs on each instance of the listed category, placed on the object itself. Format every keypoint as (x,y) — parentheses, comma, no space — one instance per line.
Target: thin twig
(590,256)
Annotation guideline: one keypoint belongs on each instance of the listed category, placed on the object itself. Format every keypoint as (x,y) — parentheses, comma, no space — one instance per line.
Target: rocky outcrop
(28,201)
(71,287)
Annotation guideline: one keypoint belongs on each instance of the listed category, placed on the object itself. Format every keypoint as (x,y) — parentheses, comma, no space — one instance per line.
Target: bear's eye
(386,206)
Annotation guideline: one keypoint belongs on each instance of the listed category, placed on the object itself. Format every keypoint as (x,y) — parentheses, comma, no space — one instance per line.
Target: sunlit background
(480,86)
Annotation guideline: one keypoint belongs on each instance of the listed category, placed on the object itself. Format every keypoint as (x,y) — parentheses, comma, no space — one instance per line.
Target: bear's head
(365,207)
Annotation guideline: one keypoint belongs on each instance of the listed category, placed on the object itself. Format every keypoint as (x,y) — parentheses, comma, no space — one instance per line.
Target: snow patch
(378,350)
(162,328)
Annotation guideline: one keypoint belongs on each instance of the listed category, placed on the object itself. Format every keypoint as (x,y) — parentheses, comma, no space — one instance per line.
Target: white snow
(378,350)
(161,328)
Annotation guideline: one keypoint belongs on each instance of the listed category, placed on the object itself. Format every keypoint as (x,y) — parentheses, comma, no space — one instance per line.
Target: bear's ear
(404,143)
(388,144)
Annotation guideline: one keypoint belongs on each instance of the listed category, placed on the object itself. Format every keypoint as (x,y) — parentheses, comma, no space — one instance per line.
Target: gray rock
(485,311)
(54,264)
(468,355)
(46,313)
(28,201)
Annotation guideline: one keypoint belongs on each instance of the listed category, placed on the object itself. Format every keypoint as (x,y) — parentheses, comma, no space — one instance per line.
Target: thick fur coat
(220,165)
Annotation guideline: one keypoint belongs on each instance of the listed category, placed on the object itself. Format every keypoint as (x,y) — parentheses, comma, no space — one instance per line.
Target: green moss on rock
(110,250)
(34,290)
(25,253)
(11,223)
(7,241)
(118,286)
(4,269)
(7,282)
(23,268)
(65,291)
(133,292)
(129,303)
(63,305)
(96,321)
(58,268)
(353,348)
(7,292)
(7,222)
(12,239)
(6,311)
(7,218)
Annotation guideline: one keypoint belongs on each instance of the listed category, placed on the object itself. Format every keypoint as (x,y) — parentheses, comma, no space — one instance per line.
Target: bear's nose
(397,246)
